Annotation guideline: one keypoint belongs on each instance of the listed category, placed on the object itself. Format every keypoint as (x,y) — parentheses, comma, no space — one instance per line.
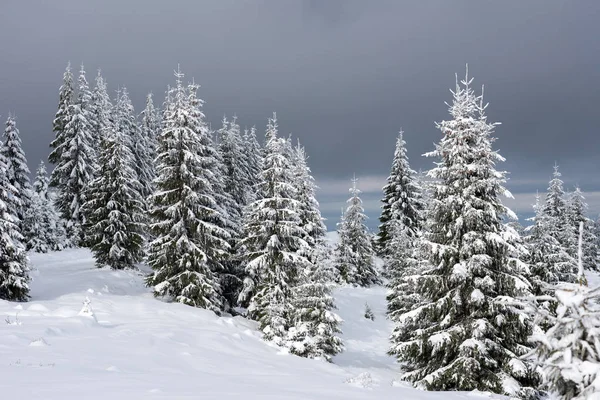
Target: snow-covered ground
(139,347)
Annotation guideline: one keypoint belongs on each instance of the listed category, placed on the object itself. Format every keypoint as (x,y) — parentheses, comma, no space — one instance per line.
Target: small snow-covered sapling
(369,313)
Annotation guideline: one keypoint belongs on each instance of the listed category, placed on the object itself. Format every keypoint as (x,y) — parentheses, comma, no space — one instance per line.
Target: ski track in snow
(135,346)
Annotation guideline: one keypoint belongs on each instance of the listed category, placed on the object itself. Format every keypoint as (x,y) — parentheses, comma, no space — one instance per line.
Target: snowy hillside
(139,347)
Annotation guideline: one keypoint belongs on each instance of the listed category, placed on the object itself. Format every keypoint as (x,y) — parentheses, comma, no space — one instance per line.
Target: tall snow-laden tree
(555,207)
(14,269)
(466,334)
(549,260)
(311,220)
(17,171)
(253,152)
(569,352)
(576,213)
(62,116)
(75,168)
(315,326)
(101,109)
(189,242)
(273,242)
(402,198)
(114,231)
(43,230)
(150,129)
(354,253)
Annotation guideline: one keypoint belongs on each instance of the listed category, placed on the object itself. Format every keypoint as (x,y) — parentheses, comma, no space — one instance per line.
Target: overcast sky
(343,76)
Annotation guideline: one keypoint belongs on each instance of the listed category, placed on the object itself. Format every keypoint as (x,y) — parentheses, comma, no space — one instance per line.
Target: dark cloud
(344,76)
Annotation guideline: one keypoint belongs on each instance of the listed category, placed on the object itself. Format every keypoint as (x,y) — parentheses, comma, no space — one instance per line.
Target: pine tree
(150,129)
(115,207)
(254,158)
(576,213)
(62,116)
(14,269)
(273,243)
(17,171)
(190,242)
(100,110)
(75,168)
(555,208)
(402,198)
(316,327)
(466,334)
(569,352)
(355,251)
(42,225)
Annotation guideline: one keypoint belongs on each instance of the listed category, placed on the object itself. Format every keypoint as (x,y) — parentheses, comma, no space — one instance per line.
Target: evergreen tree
(190,242)
(555,208)
(355,251)
(17,171)
(315,331)
(576,213)
(402,198)
(273,242)
(466,334)
(115,207)
(62,116)
(569,352)
(14,269)
(150,129)
(253,153)
(75,168)
(42,225)
(101,108)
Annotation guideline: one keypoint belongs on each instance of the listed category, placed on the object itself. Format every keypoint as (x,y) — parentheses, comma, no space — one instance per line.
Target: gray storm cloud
(343,76)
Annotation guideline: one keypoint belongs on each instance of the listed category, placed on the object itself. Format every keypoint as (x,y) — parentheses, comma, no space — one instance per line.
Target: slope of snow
(135,346)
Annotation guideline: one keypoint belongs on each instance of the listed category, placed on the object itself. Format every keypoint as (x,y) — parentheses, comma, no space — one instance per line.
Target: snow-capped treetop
(61,118)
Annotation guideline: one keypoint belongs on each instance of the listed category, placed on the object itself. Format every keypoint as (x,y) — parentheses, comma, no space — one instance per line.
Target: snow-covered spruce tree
(310,215)
(549,261)
(402,199)
(254,157)
(576,213)
(14,269)
(75,167)
(62,116)
(355,251)
(150,129)
(101,109)
(17,171)
(42,225)
(466,334)
(273,242)
(569,352)
(189,242)
(555,208)
(114,230)
(316,327)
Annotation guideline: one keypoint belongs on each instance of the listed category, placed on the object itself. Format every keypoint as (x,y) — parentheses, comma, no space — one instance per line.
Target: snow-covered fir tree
(114,206)
(577,210)
(75,163)
(549,260)
(189,242)
(150,129)
(354,252)
(555,208)
(14,269)
(315,326)
(253,152)
(42,228)
(569,352)
(311,220)
(273,242)
(402,199)
(17,171)
(466,334)
(231,147)
(101,109)
(62,116)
